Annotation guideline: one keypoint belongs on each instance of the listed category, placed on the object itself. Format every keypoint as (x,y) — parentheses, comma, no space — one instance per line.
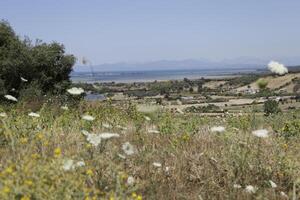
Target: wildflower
(237,186)
(153,131)
(250,189)
(9,170)
(108,135)
(11,98)
(75,91)
(80,164)
(262,133)
(28,182)
(147,118)
(218,129)
(139,197)
(25,198)
(89,172)
(284,195)
(23,140)
(157,164)
(167,169)
(64,107)
(57,152)
(88,117)
(128,148)
(6,190)
(106,125)
(134,195)
(273,185)
(3,114)
(32,114)
(95,139)
(68,165)
(130,180)
(23,79)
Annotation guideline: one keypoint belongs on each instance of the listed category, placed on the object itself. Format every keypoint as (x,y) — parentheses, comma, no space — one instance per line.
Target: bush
(271,107)
(45,64)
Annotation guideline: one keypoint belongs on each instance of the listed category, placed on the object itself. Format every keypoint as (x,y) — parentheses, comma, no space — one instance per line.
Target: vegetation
(43,66)
(271,107)
(47,156)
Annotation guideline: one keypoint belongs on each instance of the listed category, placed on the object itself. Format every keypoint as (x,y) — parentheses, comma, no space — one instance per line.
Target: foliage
(271,107)
(262,84)
(45,65)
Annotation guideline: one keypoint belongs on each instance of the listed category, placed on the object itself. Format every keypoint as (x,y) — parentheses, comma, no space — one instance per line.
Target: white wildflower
(283,194)
(68,165)
(95,139)
(147,118)
(88,117)
(108,135)
(80,164)
(273,185)
(277,68)
(130,180)
(105,125)
(157,164)
(167,169)
(237,186)
(3,114)
(32,114)
(11,98)
(153,131)
(262,133)
(64,107)
(128,148)
(75,91)
(250,189)
(122,127)
(122,156)
(23,79)
(218,129)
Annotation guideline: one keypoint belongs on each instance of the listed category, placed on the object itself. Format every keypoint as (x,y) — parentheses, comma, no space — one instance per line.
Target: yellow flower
(88,146)
(285,146)
(9,170)
(25,198)
(34,155)
(89,172)
(57,152)
(139,197)
(6,190)
(28,182)
(40,136)
(134,195)
(24,140)
(111,198)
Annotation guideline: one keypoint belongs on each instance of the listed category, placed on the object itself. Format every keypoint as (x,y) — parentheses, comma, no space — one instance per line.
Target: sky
(111,31)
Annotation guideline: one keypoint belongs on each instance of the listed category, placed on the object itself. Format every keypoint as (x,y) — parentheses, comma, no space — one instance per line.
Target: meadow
(100,150)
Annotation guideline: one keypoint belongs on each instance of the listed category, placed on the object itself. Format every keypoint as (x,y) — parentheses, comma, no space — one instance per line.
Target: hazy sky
(145,30)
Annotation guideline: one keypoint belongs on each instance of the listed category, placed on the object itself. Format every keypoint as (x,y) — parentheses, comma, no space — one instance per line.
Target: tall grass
(192,162)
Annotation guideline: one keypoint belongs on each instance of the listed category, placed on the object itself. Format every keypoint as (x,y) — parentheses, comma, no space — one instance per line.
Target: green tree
(262,84)
(45,65)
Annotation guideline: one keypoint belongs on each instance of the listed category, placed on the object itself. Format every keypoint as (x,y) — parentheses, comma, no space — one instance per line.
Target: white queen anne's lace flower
(218,129)
(75,91)
(3,114)
(11,98)
(95,139)
(273,185)
(130,180)
(157,164)
(128,148)
(88,117)
(262,133)
(250,189)
(32,114)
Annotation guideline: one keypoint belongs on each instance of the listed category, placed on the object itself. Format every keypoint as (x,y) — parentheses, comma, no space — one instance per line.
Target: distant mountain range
(243,62)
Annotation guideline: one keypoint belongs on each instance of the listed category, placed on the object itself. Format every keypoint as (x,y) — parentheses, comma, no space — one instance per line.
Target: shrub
(45,64)
(271,107)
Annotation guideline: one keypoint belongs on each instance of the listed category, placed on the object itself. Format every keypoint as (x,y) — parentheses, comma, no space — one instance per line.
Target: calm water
(145,76)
